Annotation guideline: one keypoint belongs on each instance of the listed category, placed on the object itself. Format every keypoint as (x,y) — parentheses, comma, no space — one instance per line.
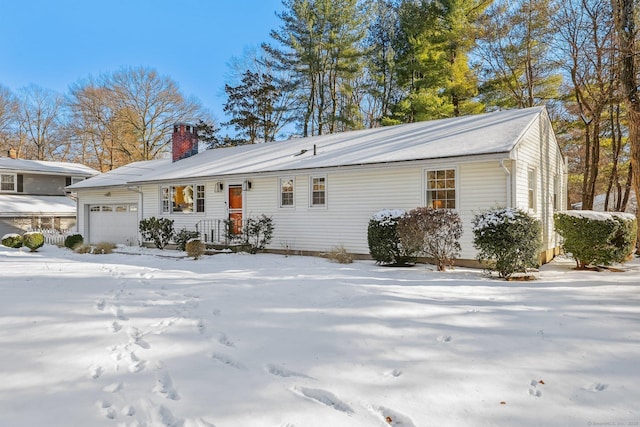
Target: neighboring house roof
(122,175)
(490,133)
(8,164)
(12,205)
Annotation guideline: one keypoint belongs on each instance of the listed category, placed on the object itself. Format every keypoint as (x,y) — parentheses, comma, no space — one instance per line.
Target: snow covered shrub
(157,230)
(340,255)
(73,240)
(384,244)
(33,240)
(597,237)
(195,248)
(434,233)
(12,240)
(508,238)
(183,236)
(258,232)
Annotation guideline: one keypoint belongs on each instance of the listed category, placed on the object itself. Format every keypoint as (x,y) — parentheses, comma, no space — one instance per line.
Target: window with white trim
(8,182)
(318,191)
(182,198)
(441,189)
(531,188)
(286,192)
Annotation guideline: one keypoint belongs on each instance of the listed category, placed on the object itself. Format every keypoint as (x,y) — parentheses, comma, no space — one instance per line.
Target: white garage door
(114,223)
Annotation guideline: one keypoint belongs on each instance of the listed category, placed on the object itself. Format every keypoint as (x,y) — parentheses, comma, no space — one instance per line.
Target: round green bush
(33,240)
(12,240)
(509,238)
(73,240)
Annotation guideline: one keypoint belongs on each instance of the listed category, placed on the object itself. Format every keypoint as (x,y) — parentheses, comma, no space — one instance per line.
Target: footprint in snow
(164,386)
(279,371)
(106,409)
(394,418)
(595,387)
(533,388)
(324,397)
(95,371)
(100,304)
(395,373)
(118,313)
(136,335)
(224,340)
(113,388)
(114,326)
(136,364)
(445,338)
(226,360)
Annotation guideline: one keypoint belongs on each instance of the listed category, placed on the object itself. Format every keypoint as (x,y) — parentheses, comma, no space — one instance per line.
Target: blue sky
(55,43)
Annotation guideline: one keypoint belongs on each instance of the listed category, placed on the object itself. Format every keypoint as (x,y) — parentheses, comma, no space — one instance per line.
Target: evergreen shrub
(597,238)
(157,230)
(12,240)
(183,236)
(258,232)
(382,236)
(73,240)
(433,233)
(33,240)
(508,238)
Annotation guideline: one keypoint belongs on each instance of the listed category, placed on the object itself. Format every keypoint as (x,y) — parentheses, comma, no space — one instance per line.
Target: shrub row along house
(321,191)
(33,195)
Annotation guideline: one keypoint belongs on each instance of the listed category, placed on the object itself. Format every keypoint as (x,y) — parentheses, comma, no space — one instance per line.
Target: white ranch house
(321,191)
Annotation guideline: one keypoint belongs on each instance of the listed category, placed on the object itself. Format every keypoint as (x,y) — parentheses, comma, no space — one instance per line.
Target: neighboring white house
(321,191)
(33,195)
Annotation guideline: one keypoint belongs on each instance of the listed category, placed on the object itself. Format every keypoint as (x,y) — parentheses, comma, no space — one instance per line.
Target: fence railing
(220,231)
(53,236)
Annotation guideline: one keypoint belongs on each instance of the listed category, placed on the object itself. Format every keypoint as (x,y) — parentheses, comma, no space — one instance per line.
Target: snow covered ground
(267,340)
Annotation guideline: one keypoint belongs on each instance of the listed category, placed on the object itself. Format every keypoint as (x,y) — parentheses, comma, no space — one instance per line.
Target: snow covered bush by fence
(508,239)
(12,240)
(595,238)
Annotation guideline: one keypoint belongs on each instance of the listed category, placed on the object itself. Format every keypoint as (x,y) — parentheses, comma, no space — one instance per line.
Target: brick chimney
(184,141)
(13,154)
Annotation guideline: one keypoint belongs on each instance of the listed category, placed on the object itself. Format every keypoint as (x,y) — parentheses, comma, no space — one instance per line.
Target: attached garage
(113,223)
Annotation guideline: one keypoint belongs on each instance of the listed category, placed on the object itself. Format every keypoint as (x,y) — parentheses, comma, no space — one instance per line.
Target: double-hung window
(286,192)
(318,191)
(8,182)
(441,189)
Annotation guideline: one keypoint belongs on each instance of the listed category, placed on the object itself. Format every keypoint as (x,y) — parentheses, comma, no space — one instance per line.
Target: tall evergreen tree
(251,105)
(515,54)
(319,41)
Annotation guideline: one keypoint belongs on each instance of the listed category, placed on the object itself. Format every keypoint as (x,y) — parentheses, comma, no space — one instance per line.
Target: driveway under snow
(267,340)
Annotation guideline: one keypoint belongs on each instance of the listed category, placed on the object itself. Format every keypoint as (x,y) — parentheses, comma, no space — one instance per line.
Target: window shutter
(20,188)
(68,181)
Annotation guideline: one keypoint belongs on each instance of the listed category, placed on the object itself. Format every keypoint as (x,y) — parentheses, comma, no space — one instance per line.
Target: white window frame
(15,182)
(281,181)
(326,193)
(532,189)
(455,189)
(167,199)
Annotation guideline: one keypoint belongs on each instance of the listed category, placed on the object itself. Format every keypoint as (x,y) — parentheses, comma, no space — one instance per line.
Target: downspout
(508,178)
